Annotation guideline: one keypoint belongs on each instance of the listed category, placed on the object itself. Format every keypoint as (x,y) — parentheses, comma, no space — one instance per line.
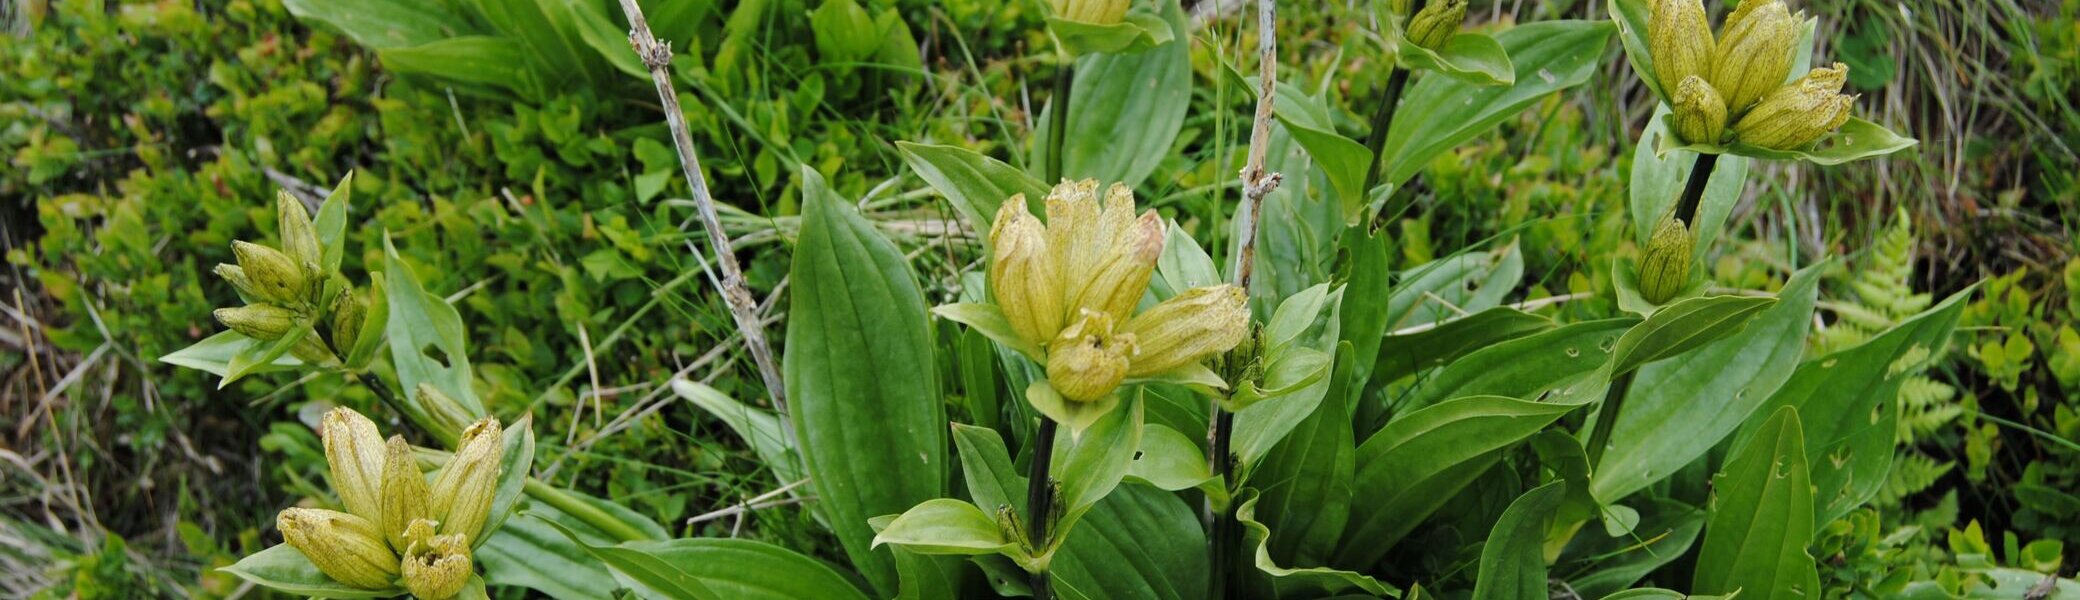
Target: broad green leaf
(1125,110)
(750,570)
(374,323)
(758,427)
(259,355)
(1404,355)
(1682,327)
(1298,580)
(528,552)
(860,375)
(213,355)
(550,39)
(283,569)
(426,337)
(1440,112)
(1300,342)
(988,320)
(516,464)
(605,35)
(1469,57)
(1168,460)
(649,575)
(1183,266)
(1140,31)
(331,224)
(924,577)
(1761,519)
(1847,401)
(381,24)
(1368,285)
(1526,366)
(1631,18)
(1088,465)
(1677,410)
(1423,458)
(1666,530)
(1658,179)
(975,184)
(1513,563)
(2001,584)
(1458,285)
(946,526)
(482,65)
(1305,479)
(1563,455)
(1138,543)
(1075,417)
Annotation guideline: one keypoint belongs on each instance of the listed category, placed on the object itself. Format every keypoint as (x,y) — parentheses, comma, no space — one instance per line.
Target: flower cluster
(284,291)
(397,530)
(1069,289)
(1731,89)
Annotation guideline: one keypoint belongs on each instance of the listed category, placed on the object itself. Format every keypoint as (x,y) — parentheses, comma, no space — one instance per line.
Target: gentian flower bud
(1679,39)
(465,488)
(1437,23)
(264,322)
(404,492)
(1700,115)
(1753,55)
(1665,270)
(345,547)
(1188,328)
(1094,12)
(274,276)
(354,454)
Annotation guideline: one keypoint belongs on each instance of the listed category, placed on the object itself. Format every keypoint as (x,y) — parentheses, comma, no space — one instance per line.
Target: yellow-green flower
(1679,39)
(436,567)
(1753,55)
(345,547)
(1094,12)
(1437,23)
(1069,290)
(1799,114)
(463,491)
(1700,114)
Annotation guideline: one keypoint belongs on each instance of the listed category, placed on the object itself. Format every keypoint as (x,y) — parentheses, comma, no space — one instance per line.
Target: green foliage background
(140,138)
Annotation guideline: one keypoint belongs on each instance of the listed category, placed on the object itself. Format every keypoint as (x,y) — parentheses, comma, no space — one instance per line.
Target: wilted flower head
(437,566)
(1069,289)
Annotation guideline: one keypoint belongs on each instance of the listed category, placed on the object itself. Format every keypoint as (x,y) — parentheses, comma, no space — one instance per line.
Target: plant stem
(1607,419)
(1221,544)
(591,515)
(1058,130)
(1693,189)
(1040,503)
(742,307)
(1382,120)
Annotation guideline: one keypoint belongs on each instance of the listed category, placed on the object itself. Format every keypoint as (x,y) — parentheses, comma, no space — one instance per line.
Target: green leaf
(1631,18)
(1404,355)
(1168,460)
(1299,342)
(380,24)
(1090,464)
(859,369)
(516,461)
(1074,416)
(1367,290)
(1422,459)
(1684,326)
(1306,478)
(1440,112)
(988,320)
(647,574)
(1298,580)
(1124,110)
(758,427)
(1666,530)
(749,569)
(331,224)
(283,569)
(213,355)
(1513,563)
(1858,139)
(1460,284)
(426,340)
(1675,411)
(529,553)
(373,324)
(1184,265)
(1138,543)
(482,65)
(946,526)
(1138,32)
(975,184)
(1658,179)
(1762,517)
(254,357)
(1526,366)
(1848,400)
(1469,57)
